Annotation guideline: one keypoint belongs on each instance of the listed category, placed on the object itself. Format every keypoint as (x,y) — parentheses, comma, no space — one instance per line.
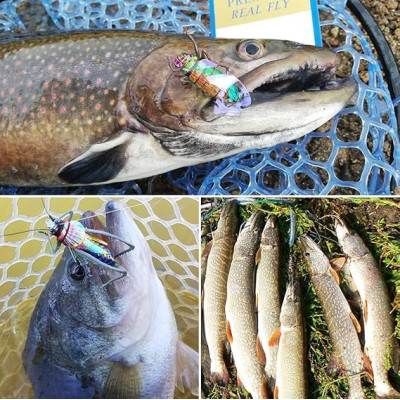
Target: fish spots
(5,110)
(72,95)
(68,81)
(86,72)
(63,109)
(91,97)
(11,91)
(98,81)
(82,99)
(97,106)
(54,96)
(112,102)
(25,109)
(29,83)
(117,74)
(88,86)
(43,99)
(50,67)
(42,110)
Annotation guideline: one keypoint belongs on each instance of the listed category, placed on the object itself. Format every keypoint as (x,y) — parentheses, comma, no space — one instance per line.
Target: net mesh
(170,226)
(333,161)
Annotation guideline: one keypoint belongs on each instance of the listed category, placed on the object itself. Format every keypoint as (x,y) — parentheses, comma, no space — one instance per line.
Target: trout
(291,371)
(87,340)
(268,296)
(241,320)
(381,347)
(342,324)
(93,107)
(214,294)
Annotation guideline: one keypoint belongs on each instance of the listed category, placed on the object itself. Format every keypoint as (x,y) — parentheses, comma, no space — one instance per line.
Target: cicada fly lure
(229,93)
(83,245)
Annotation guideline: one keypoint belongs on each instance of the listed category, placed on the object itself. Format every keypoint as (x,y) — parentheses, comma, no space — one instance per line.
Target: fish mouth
(99,272)
(292,74)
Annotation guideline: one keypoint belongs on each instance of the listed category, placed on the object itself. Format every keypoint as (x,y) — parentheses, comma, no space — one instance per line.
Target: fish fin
(355,322)
(260,352)
(258,255)
(264,388)
(256,302)
(207,248)
(368,368)
(220,378)
(338,263)
(274,339)
(276,392)
(365,311)
(102,162)
(239,381)
(191,144)
(202,298)
(335,275)
(334,366)
(123,382)
(187,368)
(229,332)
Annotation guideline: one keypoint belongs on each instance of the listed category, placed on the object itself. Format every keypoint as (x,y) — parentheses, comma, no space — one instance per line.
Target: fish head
(229,215)
(270,235)
(277,75)
(316,260)
(86,291)
(350,242)
(291,307)
(255,223)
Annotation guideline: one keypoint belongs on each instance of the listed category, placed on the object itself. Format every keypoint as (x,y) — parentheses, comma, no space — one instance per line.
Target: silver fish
(117,341)
(381,346)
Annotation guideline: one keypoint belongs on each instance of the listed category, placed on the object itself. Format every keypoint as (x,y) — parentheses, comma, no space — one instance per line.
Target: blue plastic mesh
(372,155)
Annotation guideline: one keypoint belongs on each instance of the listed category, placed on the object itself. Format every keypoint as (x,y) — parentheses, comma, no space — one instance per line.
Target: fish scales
(291,372)
(381,346)
(268,294)
(346,352)
(57,86)
(240,308)
(218,263)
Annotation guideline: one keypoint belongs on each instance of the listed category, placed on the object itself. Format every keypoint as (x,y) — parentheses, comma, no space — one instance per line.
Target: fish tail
(187,368)
(219,373)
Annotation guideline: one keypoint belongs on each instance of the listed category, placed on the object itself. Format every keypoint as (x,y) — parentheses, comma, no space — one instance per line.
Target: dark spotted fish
(87,108)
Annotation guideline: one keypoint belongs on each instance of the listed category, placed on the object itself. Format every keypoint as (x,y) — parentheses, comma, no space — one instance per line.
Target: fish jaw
(350,242)
(316,260)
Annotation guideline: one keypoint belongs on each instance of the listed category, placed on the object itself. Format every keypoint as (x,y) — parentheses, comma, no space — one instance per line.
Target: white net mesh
(170,226)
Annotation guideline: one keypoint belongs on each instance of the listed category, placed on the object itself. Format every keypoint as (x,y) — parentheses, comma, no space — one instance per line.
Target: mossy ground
(376,220)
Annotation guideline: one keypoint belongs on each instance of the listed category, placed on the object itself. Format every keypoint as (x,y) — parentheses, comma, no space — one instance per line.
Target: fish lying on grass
(291,371)
(342,324)
(381,346)
(268,296)
(214,294)
(117,341)
(241,321)
(88,108)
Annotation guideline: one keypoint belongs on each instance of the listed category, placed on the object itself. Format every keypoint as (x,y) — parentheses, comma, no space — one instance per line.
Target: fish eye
(77,272)
(251,50)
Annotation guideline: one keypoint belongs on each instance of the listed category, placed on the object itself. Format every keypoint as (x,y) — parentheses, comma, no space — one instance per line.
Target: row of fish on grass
(242,303)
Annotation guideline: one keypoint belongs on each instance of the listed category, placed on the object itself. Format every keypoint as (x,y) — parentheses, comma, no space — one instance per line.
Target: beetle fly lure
(83,245)
(229,93)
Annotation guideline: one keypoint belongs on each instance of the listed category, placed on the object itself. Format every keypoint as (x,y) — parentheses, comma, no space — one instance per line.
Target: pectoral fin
(276,393)
(258,255)
(260,352)
(187,368)
(335,275)
(274,339)
(123,382)
(338,263)
(355,322)
(368,368)
(365,311)
(102,162)
(229,332)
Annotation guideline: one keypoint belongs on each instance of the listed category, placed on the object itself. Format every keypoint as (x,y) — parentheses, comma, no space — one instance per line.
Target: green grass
(370,218)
